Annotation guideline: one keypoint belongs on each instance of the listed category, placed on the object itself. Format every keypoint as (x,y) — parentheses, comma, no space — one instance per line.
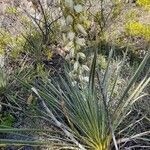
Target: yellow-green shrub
(144,3)
(11,10)
(136,28)
(10,44)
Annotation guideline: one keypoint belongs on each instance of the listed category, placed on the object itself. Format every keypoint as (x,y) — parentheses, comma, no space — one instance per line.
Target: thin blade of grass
(92,72)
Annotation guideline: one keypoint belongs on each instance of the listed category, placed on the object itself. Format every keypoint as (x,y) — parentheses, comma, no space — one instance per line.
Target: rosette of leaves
(91,117)
(95,117)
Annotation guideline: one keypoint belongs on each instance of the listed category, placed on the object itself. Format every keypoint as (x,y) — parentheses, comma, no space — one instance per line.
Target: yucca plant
(90,115)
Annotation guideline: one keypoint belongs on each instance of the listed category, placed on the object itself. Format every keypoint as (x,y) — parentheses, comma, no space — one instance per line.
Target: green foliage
(15,43)
(5,40)
(102,61)
(7,120)
(93,115)
(3,80)
(11,11)
(144,3)
(138,29)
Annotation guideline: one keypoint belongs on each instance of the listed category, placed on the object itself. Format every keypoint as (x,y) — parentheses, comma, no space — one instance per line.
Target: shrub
(138,29)
(145,3)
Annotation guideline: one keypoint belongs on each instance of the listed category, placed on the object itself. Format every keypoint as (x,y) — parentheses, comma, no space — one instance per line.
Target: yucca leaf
(105,79)
(92,71)
(118,109)
(5,142)
(135,76)
(8,129)
(137,92)
(118,70)
(108,117)
(133,137)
